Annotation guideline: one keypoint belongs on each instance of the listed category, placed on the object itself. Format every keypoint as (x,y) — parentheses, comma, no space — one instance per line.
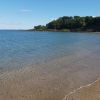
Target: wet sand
(88,92)
(51,80)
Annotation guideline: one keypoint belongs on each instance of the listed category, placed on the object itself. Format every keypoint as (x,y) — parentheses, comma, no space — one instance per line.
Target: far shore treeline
(69,23)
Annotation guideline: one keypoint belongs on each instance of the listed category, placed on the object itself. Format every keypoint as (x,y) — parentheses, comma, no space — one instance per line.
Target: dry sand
(51,80)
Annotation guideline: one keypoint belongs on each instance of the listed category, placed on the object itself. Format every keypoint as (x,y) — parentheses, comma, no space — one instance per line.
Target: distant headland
(71,24)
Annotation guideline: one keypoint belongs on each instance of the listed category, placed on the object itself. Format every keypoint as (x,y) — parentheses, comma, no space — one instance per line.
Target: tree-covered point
(40,27)
(69,23)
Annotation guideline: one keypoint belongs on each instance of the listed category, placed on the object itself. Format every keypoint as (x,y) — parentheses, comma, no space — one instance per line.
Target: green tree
(39,27)
(72,23)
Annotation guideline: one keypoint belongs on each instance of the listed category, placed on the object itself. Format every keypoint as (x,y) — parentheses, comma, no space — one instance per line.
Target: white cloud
(26,10)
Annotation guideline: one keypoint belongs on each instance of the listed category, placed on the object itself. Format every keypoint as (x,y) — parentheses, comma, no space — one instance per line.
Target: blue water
(23,48)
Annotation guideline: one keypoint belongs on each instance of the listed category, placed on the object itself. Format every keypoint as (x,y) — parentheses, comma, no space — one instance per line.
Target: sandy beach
(51,80)
(88,92)
(49,50)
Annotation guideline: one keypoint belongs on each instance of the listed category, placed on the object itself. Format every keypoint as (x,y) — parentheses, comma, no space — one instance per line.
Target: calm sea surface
(22,48)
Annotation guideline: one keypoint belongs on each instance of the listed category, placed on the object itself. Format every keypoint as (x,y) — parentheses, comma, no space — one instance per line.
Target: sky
(25,14)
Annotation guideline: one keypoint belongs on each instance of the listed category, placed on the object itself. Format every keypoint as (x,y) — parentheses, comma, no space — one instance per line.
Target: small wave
(69,94)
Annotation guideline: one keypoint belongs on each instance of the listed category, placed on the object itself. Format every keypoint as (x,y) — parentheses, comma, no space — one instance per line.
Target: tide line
(69,94)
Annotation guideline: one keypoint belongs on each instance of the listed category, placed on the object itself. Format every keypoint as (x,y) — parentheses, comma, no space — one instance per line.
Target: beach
(49,50)
(52,80)
(46,65)
(88,92)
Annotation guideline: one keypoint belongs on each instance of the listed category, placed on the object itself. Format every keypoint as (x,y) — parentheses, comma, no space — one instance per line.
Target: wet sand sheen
(51,80)
(88,92)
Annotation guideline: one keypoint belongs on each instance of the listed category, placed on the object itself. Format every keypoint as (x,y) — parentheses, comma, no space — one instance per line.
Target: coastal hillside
(69,23)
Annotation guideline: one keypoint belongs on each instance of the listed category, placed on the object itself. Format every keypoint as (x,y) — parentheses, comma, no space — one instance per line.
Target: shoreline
(80,88)
(42,82)
(63,31)
(51,31)
(52,79)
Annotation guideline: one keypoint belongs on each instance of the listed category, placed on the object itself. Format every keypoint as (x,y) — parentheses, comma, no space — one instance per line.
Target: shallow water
(50,64)
(21,48)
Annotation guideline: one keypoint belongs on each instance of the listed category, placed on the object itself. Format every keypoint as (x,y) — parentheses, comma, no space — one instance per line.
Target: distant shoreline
(61,31)
(32,30)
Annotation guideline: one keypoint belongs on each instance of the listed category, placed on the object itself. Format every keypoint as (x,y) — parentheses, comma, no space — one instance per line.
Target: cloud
(25,10)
